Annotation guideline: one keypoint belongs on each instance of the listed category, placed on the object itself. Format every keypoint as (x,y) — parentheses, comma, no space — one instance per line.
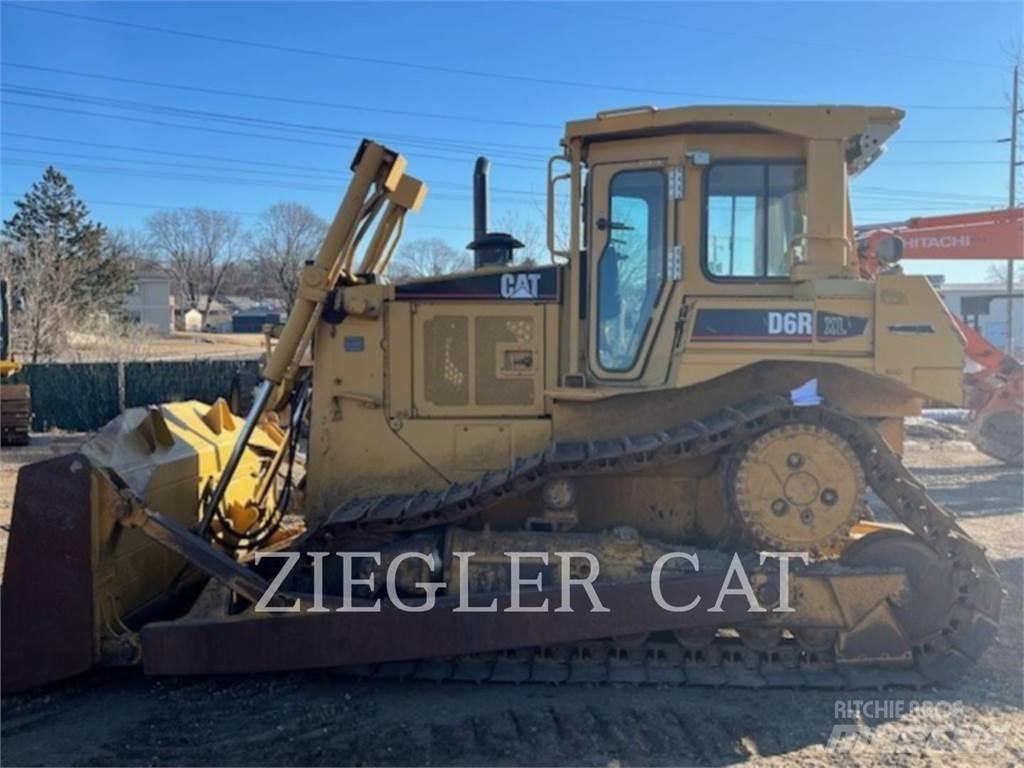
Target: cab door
(632,236)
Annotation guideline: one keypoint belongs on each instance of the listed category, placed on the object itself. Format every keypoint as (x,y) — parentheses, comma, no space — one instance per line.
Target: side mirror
(889,250)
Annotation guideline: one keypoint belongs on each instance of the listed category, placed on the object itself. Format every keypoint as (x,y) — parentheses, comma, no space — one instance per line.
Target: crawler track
(968,628)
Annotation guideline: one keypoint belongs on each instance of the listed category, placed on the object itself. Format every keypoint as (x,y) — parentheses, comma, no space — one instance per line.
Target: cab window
(754,214)
(631,269)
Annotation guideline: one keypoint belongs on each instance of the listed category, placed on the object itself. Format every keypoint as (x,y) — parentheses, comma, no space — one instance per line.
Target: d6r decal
(791,325)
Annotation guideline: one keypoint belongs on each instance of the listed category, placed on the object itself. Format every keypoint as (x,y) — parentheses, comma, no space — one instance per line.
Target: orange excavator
(993,380)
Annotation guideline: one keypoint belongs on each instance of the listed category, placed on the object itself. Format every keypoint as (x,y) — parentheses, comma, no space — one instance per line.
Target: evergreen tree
(51,215)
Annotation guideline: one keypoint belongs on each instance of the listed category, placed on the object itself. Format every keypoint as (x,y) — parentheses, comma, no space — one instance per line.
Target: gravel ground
(322,718)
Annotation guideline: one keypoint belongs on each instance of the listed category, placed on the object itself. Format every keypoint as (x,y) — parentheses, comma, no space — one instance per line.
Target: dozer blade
(253,642)
(77,585)
(81,579)
(46,607)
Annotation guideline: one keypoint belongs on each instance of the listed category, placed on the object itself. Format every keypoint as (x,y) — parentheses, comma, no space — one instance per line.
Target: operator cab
(699,202)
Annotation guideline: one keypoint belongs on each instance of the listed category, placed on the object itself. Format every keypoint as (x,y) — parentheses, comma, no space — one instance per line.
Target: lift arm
(378,176)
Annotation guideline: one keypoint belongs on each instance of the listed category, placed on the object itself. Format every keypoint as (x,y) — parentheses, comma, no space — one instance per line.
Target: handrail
(552,181)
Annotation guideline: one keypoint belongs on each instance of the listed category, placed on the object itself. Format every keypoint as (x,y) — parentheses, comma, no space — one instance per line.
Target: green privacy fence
(85,396)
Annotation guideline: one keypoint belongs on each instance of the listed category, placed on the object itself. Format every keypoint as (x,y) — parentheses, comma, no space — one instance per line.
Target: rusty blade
(46,606)
(276,642)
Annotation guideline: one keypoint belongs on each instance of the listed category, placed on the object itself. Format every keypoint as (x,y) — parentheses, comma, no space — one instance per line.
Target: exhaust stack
(490,249)
(481,183)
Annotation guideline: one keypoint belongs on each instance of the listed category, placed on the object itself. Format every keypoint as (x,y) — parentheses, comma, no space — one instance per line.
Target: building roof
(260,311)
(232,305)
(987,287)
(151,276)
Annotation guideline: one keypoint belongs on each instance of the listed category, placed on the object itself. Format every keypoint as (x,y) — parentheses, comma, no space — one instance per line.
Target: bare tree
(130,246)
(199,247)
(526,229)
(996,273)
(286,236)
(45,296)
(427,257)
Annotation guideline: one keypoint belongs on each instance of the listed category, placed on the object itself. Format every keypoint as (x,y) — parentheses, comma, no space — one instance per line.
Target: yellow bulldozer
(15,399)
(648,461)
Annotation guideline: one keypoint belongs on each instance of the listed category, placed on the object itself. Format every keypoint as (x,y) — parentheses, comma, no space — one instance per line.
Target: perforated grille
(506,361)
(446,360)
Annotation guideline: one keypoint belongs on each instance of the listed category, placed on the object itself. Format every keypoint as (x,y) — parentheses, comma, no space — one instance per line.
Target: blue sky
(947,64)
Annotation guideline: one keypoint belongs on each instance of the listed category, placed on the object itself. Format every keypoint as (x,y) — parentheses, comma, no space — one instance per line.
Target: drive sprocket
(796,488)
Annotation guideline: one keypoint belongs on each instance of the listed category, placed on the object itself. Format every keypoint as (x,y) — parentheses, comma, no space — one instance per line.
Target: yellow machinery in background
(15,399)
(700,369)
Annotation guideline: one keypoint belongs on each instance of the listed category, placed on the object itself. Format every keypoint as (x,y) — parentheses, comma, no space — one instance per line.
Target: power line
(177,164)
(868,193)
(944,141)
(806,42)
(163,152)
(909,206)
(316,173)
(378,61)
(302,187)
(153,206)
(319,174)
(428,67)
(874,204)
(451,145)
(281,99)
(418,222)
(208,129)
(900,200)
(149,206)
(943,162)
(333,105)
(305,187)
(927,193)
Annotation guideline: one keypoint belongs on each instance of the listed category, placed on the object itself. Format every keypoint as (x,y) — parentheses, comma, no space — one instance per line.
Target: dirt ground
(188,345)
(179,345)
(324,718)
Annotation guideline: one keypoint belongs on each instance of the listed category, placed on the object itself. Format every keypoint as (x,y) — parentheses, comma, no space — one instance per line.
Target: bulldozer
(15,399)
(560,472)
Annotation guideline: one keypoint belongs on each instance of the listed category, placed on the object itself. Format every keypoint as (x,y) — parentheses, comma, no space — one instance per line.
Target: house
(150,303)
(983,306)
(223,310)
(192,320)
(253,320)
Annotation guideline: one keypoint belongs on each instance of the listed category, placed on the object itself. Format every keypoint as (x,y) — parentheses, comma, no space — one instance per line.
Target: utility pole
(1014,116)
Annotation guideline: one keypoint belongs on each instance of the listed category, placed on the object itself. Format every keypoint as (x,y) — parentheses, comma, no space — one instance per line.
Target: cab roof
(865,129)
(822,122)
